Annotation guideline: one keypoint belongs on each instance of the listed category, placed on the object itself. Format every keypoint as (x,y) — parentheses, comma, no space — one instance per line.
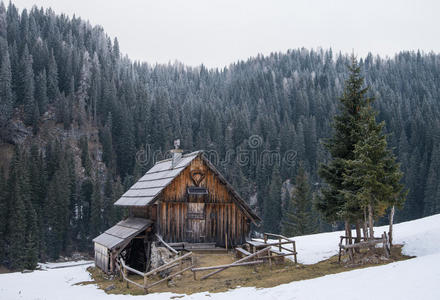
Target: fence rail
(282,240)
(366,243)
(124,269)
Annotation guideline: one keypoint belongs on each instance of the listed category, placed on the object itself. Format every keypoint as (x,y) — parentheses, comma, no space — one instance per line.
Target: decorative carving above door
(197,176)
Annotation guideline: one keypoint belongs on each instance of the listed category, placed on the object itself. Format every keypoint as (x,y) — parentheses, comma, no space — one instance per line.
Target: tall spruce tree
(347,133)
(6,102)
(297,220)
(3,215)
(27,87)
(16,225)
(272,204)
(374,172)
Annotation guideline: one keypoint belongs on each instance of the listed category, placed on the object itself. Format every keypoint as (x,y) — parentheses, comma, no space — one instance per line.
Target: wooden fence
(366,243)
(124,269)
(240,262)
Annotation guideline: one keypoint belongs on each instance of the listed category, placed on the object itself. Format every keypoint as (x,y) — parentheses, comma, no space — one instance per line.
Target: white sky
(219,32)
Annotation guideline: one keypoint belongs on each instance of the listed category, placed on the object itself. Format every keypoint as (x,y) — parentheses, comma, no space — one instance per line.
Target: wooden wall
(216,217)
(102,257)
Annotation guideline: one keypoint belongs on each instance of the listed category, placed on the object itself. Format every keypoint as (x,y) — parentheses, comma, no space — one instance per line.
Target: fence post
(145,285)
(270,258)
(294,251)
(126,276)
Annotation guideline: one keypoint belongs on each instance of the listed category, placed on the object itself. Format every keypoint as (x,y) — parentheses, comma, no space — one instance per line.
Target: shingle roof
(146,189)
(154,181)
(123,231)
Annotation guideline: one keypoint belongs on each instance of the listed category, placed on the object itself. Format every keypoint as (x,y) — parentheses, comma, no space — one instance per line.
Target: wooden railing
(366,243)
(124,269)
(238,263)
(282,240)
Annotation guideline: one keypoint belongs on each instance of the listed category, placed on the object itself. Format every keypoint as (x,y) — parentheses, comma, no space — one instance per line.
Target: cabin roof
(146,190)
(123,231)
(149,186)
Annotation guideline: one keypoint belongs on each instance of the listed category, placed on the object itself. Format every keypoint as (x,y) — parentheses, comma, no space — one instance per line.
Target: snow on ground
(420,237)
(67,264)
(415,278)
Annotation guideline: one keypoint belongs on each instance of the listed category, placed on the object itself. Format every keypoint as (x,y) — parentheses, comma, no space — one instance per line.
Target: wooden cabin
(183,199)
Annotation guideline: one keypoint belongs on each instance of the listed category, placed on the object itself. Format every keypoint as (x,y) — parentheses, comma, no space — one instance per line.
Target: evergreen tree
(3,213)
(52,79)
(96,209)
(6,103)
(26,95)
(272,205)
(85,158)
(41,92)
(297,220)
(16,226)
(432,202)
(347,134)
(108,214)
(373,172)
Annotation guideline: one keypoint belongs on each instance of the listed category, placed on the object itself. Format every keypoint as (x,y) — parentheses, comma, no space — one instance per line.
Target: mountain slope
(409,279)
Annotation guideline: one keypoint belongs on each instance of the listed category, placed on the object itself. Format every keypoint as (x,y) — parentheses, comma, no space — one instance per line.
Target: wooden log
(269,253)
(133,282)
(168,277)
(166,245)
(134,271)
(255,262)
(236,262)
(294,251)
(278,236)
(280,255)
(253,243)
(239,250)
(168,265)
(287,249)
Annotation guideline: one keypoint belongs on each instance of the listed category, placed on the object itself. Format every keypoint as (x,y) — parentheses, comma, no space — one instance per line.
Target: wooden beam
(166,245)
(256,262)
(168,265)
(238,261)
(168,277)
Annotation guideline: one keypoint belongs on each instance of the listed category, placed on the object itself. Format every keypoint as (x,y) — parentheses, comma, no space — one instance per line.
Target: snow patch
(416,278)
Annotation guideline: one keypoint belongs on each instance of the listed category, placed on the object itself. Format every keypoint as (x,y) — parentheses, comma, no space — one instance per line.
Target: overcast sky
(219,32)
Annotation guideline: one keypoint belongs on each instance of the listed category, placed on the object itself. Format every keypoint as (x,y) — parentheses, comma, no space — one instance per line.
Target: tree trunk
(364,224)
(358,231)
(348,239)
(347,233)
(390,232)
(358,235)
(370,220)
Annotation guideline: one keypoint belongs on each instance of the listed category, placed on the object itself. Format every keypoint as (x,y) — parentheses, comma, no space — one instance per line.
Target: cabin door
(195,222)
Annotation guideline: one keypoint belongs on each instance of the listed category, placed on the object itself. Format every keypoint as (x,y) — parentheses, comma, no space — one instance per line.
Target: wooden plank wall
(222,215)
(101,257)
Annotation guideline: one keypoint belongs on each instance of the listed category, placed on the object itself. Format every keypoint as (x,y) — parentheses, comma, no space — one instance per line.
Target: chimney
(176,153)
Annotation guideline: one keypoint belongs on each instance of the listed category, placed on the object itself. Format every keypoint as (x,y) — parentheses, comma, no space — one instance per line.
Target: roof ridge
(183,155)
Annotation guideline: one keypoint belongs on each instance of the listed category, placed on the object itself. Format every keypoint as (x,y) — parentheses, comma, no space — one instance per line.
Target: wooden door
(195,222)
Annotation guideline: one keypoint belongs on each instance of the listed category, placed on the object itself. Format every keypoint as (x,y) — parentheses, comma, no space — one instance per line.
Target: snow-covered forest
(75,114)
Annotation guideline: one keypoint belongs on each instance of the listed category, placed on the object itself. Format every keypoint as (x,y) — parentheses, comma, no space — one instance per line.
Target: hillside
(79,122)
(415,278)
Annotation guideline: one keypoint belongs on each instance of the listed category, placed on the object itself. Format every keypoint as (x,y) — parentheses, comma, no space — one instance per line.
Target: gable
(168,183)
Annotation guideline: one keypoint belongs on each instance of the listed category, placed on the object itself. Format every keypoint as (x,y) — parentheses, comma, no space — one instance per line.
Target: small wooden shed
(109,244)
(186,200)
